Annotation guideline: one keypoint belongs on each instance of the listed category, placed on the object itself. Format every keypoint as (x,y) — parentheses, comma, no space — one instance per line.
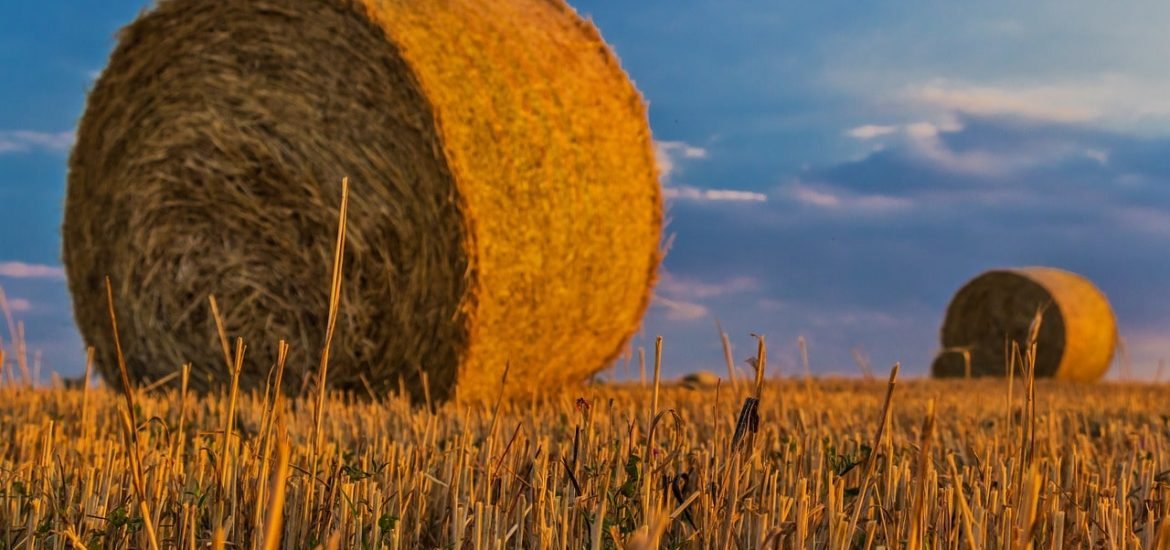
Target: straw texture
(1077,336)
(504,205)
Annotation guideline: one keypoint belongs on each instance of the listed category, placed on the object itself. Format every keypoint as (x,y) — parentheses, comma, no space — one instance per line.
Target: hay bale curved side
(1077,333)
(492,218)
(1089,322)
(585,279)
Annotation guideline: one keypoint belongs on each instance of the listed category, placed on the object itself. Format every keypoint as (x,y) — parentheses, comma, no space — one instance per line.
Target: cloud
(1099,155)
(680,297)
(870,131)
(807,195)
(25,141)
(992,163)
(695,289)
(828,198)
(849,318)
(1141,219)
(690,193)
(669,153)
(19,305)
(20,270)
(928,140)
(1047,103)
(1115,101)
(678,310)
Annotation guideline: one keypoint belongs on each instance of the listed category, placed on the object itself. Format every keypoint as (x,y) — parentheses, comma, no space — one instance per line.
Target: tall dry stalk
(16,337)
(276,488)
(871,460)
(229,422)
(920,509)
(221,331)
(323,369)
(727,355)
(130,423)
(89,354)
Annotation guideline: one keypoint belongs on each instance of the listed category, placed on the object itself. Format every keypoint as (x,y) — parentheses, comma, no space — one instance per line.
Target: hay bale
(505,204)
(700,379)
(1077,334)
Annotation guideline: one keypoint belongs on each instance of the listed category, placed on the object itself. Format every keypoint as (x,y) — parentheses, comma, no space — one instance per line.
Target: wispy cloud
(690,193)
(20,305)
(680,296)
(1111,100)
(695,289)
(926,140)
(669,154)
(1099,155)
(25,141)
(678,310)
(830,198)
(853,317)
(21,270)
(814,197)
(1142,219)
(870,131)
(1047,103)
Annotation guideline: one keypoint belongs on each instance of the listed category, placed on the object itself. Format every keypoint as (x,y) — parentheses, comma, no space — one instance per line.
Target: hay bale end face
(1077,336)
(504,207)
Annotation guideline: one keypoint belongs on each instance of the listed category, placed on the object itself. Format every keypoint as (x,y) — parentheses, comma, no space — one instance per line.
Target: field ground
(958,466)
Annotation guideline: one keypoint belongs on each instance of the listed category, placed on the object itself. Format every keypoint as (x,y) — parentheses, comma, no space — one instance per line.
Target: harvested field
(961,464)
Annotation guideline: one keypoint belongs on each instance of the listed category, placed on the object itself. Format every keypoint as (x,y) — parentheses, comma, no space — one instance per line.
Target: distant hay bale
(505,205)
(700,379)
(1077,334)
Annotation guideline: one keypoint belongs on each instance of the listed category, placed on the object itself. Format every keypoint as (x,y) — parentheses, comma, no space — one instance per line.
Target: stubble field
(817,464)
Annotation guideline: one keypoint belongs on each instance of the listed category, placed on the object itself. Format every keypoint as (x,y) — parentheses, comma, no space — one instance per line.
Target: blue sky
(833,178)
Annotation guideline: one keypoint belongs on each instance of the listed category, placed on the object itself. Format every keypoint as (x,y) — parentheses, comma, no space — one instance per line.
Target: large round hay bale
(505,204)
(1077,333)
